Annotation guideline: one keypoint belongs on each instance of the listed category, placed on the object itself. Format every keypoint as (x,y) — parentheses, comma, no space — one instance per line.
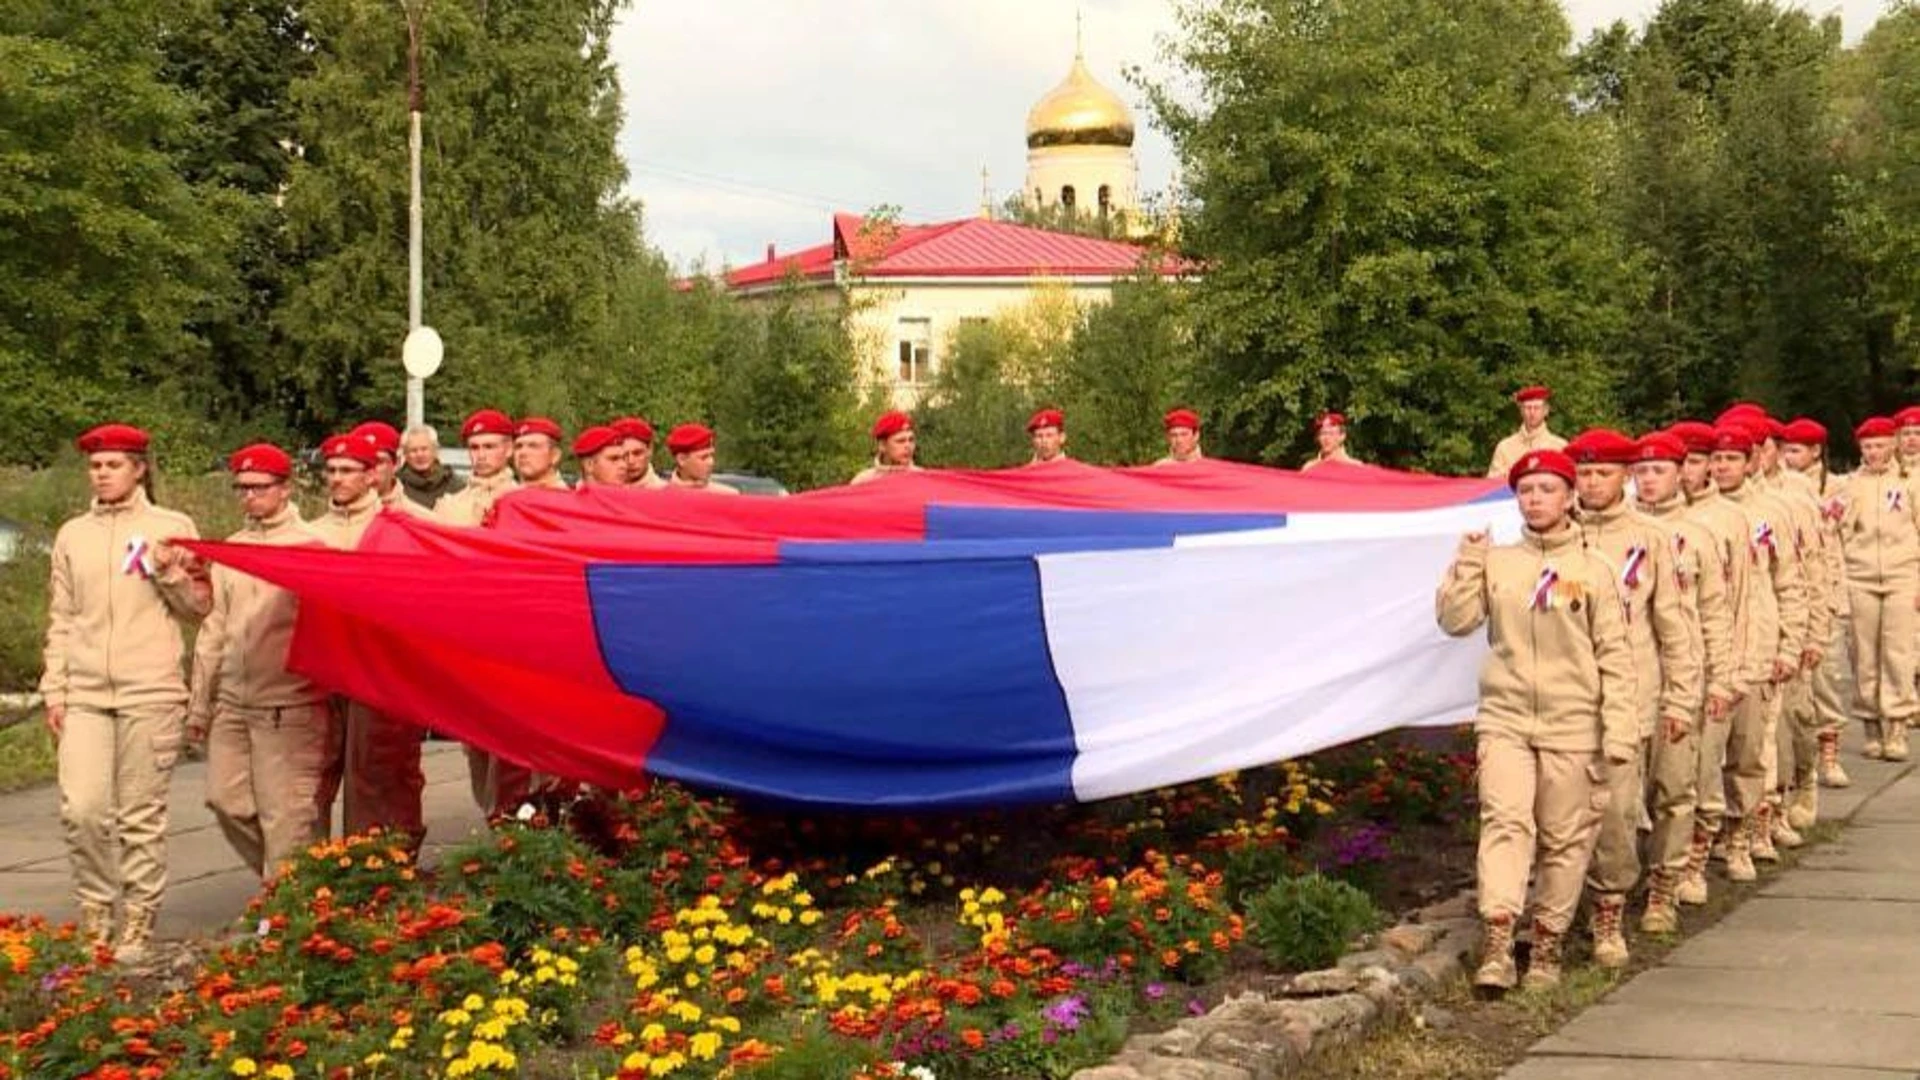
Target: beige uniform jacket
(1560,673)
(1519,445)
(1732,531)
(469,505)
(1662,621)
(397,500)
(1340,456)
(240,655)
(1796,492)
(343,526)
(650,482)
(877,470)
(1880,530)
(1700,568)
(676,481)
(113,631)
(1779,594)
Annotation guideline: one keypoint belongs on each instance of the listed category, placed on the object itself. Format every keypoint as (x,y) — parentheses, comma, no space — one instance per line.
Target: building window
(916,350)
(1106,199)
(1066,197)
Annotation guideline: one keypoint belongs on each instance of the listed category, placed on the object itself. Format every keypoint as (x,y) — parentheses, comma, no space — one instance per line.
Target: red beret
(1742,411)
(1532,393)
(595,439)
(1185,418)
(115,438)
(261,457)
(633,427)
(1908,417)
(487,422)
(1805,432)
(1878,427)
(891,423)
(353,446)
(1697,436)
(539,425)
(1734,436)
(687,438)
(1047,418)
(1329,419)
(384,437)
(1660,446)
(1541,461)
(1601,446)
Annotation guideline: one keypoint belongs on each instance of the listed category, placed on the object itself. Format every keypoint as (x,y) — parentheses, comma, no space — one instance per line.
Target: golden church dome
(1079,112)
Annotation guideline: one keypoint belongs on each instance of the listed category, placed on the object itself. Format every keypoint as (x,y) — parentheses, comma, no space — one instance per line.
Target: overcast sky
(750,121)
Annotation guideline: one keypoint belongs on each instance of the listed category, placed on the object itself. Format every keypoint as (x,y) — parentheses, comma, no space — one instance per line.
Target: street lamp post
(416,104)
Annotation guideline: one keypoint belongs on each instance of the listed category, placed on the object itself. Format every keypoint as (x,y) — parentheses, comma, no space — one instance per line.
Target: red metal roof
(970,247)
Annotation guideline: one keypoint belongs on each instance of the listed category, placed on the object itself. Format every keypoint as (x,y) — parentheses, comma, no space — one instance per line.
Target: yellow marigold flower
(685,1011)
(808,917)
(280,1072)
(374,1059)
(704,954)
(725,1023)
(704,1045)
(245,1066)
(652,1032)
(634,1062)
(473,1003)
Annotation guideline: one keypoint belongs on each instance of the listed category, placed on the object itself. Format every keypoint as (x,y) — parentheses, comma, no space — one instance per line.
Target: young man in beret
(1330,432)
(1533,435)
(1817,706)
(1047,431)
(1906,424)
(693,462)
(1183,437)
(602,454)
(537,443)
(488,435)
(636,438)
(386,472)
(270,734)
(893,447)
(1880,529)
(1663,632)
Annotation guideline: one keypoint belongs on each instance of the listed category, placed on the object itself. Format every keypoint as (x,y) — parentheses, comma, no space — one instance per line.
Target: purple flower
(1196,1007)
(1066,1013)
(1156,991)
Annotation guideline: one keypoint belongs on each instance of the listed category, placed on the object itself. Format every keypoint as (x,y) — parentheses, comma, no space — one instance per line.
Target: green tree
(1129,362)
(108,255)
(1393,204)
(975,416)
(527,237)
(787,405)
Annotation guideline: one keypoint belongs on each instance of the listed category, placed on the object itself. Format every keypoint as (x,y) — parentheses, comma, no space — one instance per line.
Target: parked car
(13,536)
(750,484)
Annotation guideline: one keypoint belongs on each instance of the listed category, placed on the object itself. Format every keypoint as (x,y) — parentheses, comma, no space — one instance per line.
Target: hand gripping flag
(939,639)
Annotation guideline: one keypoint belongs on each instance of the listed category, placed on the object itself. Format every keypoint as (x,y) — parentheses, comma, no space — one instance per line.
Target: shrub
(1305,923)
(520,883)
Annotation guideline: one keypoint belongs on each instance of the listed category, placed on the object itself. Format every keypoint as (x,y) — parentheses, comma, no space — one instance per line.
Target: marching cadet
(1907,425)
(1880,533)
(488,434)
(1330,431)
(1730,531)
(379,765)
(1817,751)
(1557,710)
(118,595)
(386,474)
(893,447)
(1778,623)
(1675,766)
(603,457)
(1047,431)
(637,438)
(1533,434)
(1662,629)
(536,453)
(269,732)
(692,448)
(1183,437)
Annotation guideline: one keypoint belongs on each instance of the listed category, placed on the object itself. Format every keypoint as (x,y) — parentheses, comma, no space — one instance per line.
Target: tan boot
(1783,834)
(1497,970)
(1609,942)
(1740,851)
(1896,744)
(1693,882)
(1874,749)
(96,925)
(1543,964)
(1831,774)
(1662,915)
(1803,809)
(136,933)
(1760,835)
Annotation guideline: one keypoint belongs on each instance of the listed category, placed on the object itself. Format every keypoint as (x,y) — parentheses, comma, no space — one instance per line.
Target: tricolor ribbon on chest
(1763,540)
(1896,500)
(138,559)
(1630,571)
(1543,589)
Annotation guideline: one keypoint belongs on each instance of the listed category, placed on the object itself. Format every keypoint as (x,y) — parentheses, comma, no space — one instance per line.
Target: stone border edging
(1260,1035)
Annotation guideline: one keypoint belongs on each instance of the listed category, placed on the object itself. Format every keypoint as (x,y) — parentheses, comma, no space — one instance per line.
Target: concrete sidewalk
(1816,976)
(208,887)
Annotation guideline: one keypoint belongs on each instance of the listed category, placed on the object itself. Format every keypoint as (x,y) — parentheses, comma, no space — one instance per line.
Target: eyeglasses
(344,470)
(255,489)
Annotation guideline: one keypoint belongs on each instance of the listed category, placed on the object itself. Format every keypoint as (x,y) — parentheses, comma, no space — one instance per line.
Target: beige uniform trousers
(376,761)
(115,766)
(264,771)
(499,786)
(1615,866)
(1710,786)
(1747,763)
(1829,679)
(1536,807)
(1884,627)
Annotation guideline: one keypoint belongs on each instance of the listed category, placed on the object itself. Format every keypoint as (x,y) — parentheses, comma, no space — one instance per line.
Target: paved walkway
(1816,976)
(209,888)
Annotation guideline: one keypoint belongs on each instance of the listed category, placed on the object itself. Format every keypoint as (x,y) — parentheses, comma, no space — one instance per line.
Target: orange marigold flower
(974,1038)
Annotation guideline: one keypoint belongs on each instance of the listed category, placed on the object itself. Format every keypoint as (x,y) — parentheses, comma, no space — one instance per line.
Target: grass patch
(26,754)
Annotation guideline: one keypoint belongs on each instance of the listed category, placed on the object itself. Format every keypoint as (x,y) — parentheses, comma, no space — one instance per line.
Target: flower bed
(668,935)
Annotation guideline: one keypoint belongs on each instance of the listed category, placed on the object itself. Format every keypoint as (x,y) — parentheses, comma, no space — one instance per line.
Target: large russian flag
(939,639)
